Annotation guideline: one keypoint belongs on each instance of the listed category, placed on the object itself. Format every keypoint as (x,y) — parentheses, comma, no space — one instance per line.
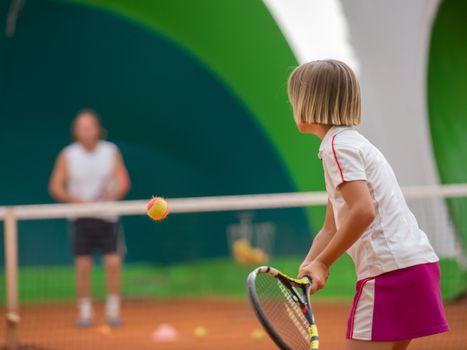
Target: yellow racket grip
(314,345)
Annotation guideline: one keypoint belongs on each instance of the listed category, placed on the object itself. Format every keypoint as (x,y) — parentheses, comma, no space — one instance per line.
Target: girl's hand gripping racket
(282,304)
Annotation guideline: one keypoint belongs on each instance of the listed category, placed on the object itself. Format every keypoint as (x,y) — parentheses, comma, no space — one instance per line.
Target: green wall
(447,91)
(197,112)
(241,43)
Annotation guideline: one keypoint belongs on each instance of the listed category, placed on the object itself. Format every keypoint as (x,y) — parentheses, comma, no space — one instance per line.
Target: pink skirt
(398,305)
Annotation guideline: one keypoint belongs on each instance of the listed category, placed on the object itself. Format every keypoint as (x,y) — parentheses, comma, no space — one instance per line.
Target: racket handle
(310,281)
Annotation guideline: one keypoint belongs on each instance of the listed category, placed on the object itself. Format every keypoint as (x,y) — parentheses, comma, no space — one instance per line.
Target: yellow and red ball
(157,208)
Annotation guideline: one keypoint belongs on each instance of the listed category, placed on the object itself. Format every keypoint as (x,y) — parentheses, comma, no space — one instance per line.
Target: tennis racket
(282,305)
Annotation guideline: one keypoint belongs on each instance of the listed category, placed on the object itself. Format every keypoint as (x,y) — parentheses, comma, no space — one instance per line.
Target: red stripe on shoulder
(335,158)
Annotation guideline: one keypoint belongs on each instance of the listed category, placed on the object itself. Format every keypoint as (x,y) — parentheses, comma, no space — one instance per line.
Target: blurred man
(92,170)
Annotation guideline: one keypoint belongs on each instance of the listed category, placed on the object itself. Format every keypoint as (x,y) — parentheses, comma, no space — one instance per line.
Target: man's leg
(113,266)
(83,265)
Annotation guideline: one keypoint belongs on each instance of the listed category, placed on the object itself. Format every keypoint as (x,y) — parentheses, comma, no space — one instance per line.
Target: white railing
(209,204)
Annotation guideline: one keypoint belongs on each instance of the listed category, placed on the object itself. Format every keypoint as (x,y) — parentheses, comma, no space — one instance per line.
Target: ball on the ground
(12,318)
(105,330)
(157,208)
(165,333)
(200,332)
(258,335)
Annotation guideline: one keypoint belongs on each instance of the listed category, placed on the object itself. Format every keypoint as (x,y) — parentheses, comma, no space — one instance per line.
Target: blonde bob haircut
(325,92)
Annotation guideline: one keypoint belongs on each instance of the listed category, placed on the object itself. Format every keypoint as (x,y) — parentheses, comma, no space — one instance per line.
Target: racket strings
(293,310)
(283,312)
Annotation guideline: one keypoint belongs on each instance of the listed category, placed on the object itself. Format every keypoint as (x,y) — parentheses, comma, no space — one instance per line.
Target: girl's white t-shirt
(393,241)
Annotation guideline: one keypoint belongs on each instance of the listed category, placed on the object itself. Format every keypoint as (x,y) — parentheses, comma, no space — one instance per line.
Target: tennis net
(194,264)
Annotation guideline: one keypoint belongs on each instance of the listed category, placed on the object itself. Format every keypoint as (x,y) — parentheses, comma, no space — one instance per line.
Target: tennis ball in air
(258,335)
(200,332)
(157,208)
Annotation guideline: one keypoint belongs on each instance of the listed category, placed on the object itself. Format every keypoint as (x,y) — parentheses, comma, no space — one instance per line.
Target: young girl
(398,296)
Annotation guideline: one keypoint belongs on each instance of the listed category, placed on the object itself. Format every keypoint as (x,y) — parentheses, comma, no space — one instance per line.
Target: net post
(11,269)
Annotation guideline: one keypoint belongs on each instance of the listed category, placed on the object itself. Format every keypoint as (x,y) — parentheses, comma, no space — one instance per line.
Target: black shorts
(91,235)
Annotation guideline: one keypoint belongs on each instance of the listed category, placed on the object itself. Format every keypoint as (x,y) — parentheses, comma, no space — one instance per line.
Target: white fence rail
(209,204)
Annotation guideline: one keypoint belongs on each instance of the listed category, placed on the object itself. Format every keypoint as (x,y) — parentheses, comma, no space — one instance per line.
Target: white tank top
(90,172)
